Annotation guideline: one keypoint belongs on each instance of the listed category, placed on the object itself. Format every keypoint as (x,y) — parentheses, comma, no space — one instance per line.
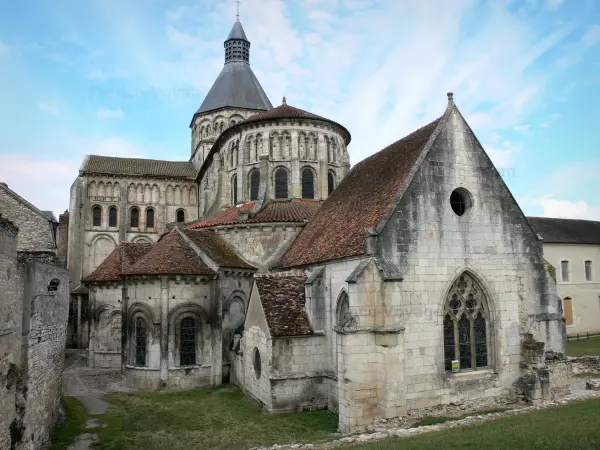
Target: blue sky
(115,78)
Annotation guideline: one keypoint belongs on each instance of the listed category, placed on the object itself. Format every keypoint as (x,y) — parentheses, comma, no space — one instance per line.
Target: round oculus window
(460,201)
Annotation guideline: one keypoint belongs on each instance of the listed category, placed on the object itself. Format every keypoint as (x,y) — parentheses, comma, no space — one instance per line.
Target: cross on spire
(237,16)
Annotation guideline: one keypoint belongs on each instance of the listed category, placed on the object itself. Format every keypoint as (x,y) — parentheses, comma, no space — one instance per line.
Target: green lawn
(214,419)
(584,347)
(573,426)
(203,419)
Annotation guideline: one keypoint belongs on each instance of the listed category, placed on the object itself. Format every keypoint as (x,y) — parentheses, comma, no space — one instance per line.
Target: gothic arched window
(96,216)
(149,218)
(254,184)
(180,216)
(134,218)
(330,183)
(234,190)
(139,333)
(187,343)
(281,183)
(308,183)
(466,318)
(112,216)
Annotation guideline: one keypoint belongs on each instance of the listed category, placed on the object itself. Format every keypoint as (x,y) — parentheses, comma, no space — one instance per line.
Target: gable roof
(274,211)
(338,229)
(283,298)
(119,262)
(566,231)
(217,249)
(111,165)
(171,255)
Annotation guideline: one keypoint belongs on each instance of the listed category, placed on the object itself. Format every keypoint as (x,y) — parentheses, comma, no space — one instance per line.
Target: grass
(75,421)
(584,347)
(573,426)
(442,419)
(203,418)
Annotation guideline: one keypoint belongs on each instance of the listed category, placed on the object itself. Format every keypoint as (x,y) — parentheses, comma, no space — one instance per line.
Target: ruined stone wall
(35,229)
(105,343)
(44,333)
(11,316)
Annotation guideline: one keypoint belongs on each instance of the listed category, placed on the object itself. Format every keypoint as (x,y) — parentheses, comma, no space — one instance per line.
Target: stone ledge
(369,329)
(301,376)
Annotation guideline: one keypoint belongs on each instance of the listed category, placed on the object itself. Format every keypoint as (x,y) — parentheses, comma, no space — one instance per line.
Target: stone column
(321,191)
(390,349)
(164,331)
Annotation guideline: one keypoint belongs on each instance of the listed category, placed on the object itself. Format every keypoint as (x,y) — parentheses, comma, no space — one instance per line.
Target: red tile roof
(119,261)
(171,255)
(80,290)
(274,211)
(217,249)
(338,229)
(283,301)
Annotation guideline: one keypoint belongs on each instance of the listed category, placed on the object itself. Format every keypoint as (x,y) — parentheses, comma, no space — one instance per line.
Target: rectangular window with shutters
(564,271)
(588,271)
(568,310)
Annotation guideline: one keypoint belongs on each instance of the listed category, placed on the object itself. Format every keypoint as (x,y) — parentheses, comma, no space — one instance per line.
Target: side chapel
(412,280)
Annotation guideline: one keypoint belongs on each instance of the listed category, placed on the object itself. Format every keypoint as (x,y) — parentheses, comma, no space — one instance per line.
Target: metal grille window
(150,218)
(187,350)
(588,271)
(181,216)
(140,342)
(96,216)
(564,270)
(308,184)
(465,325)
(234,190)
(330,183)
(254,184)
(134,218)
(281,183)
(112,216)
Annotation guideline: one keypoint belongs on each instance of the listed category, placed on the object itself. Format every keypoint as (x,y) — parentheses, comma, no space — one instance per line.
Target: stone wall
(44,333)
(256,382)
(11,317)
(35,228)
(105,334)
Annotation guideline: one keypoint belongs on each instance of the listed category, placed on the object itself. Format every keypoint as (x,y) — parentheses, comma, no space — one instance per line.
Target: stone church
(411,281)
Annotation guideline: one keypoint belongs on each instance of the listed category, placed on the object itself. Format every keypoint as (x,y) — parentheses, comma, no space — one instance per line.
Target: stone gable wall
(432,246)
(35,230)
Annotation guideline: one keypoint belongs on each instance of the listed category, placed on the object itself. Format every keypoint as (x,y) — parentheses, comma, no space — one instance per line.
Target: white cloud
(503,156)
(4,49)
(107,113)
(494,137)
(591,37)
(45,181)
(525,129)
(570,210)
(553,4)
(49,107)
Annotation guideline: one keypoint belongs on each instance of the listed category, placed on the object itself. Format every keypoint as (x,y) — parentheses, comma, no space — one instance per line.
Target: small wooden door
(568,310)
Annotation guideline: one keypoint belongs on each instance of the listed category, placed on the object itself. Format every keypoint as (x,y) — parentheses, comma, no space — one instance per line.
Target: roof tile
(566,231)
(171,255)
(217,249)
(283,301)
(338,229)
(119,261)
(136,166)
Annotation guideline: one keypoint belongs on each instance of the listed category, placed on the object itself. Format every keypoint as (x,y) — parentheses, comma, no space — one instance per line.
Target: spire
(237,15)
(237,46)
(283,101)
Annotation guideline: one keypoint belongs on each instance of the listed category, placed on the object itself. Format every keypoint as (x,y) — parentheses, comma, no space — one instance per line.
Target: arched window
(466,316)
(330,183)
(308,184)
(187,343)
(112,216)
(180,216)
(134,218)
(281,183)
(234,190)
(344,317)
(254,184)
(96,216)
(149,218)
(139,333)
